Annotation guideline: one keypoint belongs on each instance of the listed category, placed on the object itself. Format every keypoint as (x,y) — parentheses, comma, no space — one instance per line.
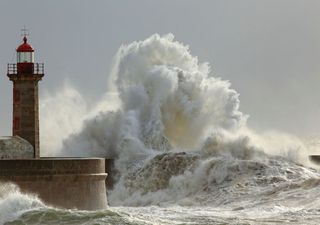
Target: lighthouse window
(25,57)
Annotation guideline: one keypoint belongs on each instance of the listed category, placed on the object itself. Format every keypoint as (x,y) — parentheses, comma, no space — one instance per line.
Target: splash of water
(167,100)
(177,130)
(13,203)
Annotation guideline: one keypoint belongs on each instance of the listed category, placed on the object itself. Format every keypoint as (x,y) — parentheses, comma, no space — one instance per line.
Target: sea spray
(13,203)
(167,99)
(177,134)
(63,112)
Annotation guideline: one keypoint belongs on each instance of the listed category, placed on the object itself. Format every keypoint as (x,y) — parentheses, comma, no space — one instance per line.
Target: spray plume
(173,120)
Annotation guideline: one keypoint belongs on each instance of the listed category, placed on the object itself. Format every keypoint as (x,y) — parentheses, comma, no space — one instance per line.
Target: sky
(268,49)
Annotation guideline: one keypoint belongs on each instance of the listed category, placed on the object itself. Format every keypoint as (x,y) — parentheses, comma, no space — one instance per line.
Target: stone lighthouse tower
(25,75)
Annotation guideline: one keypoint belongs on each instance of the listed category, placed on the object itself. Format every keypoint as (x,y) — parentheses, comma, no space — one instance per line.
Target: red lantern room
(25,57)
(25,53)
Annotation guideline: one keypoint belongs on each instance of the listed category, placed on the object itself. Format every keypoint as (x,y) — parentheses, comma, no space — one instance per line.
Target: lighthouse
(25,75)
(83,179)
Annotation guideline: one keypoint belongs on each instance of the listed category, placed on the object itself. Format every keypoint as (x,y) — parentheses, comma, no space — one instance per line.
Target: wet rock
(157,173)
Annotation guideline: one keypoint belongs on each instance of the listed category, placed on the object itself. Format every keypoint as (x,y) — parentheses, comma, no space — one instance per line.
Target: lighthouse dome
(25,47)
(15,148)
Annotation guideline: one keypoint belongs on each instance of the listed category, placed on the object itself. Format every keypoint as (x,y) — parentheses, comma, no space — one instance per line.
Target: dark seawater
(155,215)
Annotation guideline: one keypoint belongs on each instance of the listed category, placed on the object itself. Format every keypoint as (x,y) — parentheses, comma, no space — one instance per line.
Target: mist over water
(181,144)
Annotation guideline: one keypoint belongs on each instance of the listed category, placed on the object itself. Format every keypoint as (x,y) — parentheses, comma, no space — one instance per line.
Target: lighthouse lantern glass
(25,57)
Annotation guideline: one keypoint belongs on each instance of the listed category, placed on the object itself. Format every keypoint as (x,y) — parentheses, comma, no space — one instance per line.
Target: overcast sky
(268,49)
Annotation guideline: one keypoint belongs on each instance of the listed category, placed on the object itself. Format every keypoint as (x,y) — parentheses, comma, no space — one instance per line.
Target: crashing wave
(178,135)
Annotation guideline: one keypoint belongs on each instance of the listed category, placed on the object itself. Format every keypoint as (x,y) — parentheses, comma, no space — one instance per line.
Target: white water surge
(181,144)
(13,203)
(171,103)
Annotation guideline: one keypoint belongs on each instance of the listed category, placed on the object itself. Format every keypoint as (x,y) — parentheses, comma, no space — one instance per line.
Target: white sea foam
(176,133)
(13,203)
(167,99)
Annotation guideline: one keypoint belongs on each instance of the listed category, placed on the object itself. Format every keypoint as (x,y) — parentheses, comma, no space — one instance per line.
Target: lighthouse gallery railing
(38,68)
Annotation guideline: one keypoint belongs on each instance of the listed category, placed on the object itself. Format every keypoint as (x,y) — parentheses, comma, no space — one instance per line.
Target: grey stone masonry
(26,108)
(15,148)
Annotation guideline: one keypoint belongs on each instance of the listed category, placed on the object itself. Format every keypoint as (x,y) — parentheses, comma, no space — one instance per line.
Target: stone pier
(77,183)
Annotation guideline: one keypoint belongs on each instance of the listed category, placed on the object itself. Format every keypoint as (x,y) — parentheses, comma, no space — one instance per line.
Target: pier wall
(61,182)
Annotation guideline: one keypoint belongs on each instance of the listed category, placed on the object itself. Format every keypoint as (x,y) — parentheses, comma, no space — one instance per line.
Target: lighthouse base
(72,183)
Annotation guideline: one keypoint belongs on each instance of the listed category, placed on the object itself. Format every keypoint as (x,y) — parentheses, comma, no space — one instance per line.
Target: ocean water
(273,192)
(184,152)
